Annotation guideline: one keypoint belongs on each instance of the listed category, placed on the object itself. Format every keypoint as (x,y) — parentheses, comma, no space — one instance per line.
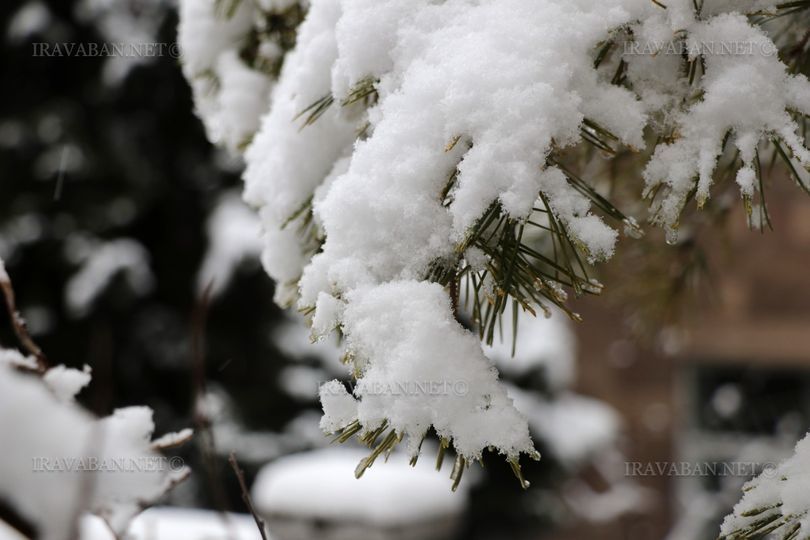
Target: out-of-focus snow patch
(14,358)
(31,18)
(256,447)
(101,262)
(302,382)
(59,460)
(233,236)
(546,344)
(294,340)
(574,427)
(20,231)
(617,496)
(320,485)
(170,440)
(131,24)
(620,499)
(166,523)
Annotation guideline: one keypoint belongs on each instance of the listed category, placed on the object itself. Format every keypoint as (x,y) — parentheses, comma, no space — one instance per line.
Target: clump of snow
(744,94)
(282,171)
(65,383)
(420,368)
(340,408)
(319,485)
(59,461)
(15,359)
(230,94)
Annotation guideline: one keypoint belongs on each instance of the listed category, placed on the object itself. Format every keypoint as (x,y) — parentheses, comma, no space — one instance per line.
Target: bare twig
(240,475)
(18,323)
(202,424)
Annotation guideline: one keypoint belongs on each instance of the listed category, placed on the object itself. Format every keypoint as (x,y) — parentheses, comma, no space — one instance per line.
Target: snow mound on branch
(320,485)
(748,95)
(230,96)
(59,461)
(282,171)
(420,368)
(779,494)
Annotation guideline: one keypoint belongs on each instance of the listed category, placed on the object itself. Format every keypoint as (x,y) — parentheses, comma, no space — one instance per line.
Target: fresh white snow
(351,204)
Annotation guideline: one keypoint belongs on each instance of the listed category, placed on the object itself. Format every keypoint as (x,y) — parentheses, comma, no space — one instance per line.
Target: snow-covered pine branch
(775,502)
(412,153)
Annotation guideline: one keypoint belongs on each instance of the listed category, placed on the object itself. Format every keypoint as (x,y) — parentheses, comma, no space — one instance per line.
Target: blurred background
(131,252)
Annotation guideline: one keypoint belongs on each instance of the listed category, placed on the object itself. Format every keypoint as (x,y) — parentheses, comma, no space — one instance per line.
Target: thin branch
(240,476)
(202,423)
(17,321)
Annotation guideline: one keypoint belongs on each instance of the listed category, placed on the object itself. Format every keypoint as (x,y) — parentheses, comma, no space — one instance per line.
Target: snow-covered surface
(321,485)
(488,90)
(59,461)
(167,523)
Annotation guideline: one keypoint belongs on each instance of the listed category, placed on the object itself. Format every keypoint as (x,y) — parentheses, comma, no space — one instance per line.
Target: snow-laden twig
(17,321)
